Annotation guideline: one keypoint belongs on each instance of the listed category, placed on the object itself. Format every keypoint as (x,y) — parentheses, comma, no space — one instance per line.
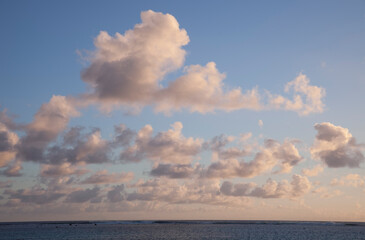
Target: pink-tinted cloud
(8,140)
(352,180)
(306,98)
(63,169)
(83,195)
(285,156)
(313,172)
(103,177)
(167,147)
(129,70)
(175,170)
(271,189)
(336,147)
(49,121)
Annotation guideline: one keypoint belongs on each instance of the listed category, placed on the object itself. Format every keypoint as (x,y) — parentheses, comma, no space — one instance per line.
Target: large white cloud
(128,70)
(336,147)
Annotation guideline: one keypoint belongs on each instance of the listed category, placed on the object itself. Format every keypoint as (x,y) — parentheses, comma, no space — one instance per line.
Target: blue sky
(257,45)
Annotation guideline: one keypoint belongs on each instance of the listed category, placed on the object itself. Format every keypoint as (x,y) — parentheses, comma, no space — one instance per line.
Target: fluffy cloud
(312,172)
(201,90)
(326,193)
(117,194)
(175,170)
(189,192)
(353,180)
(167,147)
(103,177)
(5,184)
(13,169)
(63,169)
(84,195)
(128,70)
(80,148)
(285,156)
(221,152)
(260,123)
(49,121)
(8,140)
(34,195)
(271,189)
(306,99)
(336,147)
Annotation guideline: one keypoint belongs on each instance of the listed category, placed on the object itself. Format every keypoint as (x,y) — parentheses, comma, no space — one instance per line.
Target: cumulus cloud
(218,145)
(49,121)
(13,169)
(326,193)
(312,172)
(306,98)
(190,191)
(129,70)
(8,121)
(34,195)
(103,177)
(201,90)
(353,180)
(6,184)
(8,140)
(63,169)
(83,195)
(117,194)
(271,189)
(336,147)
(123,135)
(285,156)
(80,148)
(167,147)
(174,170)
(260,123)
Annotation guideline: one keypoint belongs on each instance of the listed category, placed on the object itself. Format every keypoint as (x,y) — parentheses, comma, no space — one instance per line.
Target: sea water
(252,230)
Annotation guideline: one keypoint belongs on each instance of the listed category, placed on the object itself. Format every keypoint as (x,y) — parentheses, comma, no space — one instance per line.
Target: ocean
(253,230)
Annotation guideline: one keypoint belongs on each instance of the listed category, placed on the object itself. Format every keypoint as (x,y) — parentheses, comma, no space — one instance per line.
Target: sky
(239,110)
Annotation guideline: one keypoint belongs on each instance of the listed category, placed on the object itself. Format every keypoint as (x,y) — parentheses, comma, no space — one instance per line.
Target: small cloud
(174,171)
(312,172)
(103,177)
(81,196)
(260,123)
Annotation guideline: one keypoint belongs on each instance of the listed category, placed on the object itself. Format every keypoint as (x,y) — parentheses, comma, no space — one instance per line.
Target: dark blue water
(252,230)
